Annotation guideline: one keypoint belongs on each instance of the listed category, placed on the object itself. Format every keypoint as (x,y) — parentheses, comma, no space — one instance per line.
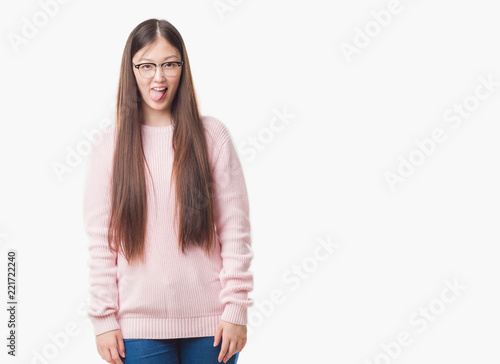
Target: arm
(102,261)
(233,229)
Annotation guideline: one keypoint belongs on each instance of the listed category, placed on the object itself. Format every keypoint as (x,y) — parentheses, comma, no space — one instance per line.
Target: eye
(146,67)
(169,65)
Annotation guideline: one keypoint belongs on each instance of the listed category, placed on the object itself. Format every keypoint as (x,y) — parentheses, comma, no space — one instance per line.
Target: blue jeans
(191,350)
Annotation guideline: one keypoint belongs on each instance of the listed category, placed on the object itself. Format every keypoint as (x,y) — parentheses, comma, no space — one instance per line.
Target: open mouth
(158,93)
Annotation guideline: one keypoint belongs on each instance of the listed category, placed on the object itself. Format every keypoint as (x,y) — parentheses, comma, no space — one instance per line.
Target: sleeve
(233,229)
(102,261)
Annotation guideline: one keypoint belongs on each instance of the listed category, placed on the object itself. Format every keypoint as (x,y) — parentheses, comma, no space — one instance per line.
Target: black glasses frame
(179,64)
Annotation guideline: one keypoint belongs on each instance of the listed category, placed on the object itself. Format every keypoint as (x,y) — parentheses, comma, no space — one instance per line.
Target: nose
(159,76)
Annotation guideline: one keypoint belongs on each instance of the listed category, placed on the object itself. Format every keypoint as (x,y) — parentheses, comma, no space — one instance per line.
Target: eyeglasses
(148,70)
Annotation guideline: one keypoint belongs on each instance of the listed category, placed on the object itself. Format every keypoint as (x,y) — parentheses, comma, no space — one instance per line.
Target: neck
(153,117)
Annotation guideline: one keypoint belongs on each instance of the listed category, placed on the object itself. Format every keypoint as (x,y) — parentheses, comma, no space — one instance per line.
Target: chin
(154,105)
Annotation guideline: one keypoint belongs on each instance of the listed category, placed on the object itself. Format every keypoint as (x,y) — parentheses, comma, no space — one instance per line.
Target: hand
(234,338)
(107,344)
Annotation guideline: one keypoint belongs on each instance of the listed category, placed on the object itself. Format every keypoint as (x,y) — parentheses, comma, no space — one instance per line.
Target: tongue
(156,95)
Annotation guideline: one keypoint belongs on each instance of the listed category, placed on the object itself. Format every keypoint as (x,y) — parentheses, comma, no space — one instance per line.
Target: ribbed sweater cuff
(235,314)
(103,324)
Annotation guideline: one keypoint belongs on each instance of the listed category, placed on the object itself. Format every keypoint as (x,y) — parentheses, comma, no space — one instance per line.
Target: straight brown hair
(191,174)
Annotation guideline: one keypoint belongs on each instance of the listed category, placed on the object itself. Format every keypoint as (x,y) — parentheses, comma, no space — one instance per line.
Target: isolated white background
(320,178)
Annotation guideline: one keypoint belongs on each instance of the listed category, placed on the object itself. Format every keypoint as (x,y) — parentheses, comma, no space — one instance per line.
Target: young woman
(167,215)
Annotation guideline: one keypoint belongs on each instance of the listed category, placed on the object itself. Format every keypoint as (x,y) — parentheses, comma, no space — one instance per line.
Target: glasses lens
(147,70)
(171,69)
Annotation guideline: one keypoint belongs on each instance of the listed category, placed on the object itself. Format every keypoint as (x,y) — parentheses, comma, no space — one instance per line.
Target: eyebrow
(147,59)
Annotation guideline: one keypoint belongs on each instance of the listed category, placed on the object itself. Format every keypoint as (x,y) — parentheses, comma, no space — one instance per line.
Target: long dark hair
(194,217)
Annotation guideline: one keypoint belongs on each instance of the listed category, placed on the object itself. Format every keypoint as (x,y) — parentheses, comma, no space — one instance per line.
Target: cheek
(143,87)
(175,86)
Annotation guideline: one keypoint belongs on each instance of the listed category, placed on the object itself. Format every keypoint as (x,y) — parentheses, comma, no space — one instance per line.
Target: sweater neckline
(157,129)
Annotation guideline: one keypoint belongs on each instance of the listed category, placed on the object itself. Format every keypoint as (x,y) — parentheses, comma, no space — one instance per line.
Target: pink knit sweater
(171,295)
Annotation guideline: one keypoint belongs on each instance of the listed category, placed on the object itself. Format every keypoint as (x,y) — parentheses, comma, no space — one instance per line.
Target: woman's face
(161,51)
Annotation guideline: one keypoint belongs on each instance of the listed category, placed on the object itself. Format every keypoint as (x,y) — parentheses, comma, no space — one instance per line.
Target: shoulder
(104,138)
(218,137)
(216,131)
(103,146)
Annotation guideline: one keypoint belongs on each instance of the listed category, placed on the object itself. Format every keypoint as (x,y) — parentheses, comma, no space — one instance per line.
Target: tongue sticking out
(156,95)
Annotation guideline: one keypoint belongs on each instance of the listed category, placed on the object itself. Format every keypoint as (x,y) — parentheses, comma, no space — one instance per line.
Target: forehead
(158,51)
